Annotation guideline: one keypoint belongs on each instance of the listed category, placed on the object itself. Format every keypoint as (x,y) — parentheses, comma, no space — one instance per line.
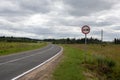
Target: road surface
(16,64)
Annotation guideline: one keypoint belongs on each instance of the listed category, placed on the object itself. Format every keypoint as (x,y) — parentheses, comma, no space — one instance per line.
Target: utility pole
(101,38)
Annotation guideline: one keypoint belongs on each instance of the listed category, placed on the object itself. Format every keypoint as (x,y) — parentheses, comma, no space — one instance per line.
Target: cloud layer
(59,18)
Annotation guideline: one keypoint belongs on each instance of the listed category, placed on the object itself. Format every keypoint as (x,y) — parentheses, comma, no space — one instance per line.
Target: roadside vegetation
(97,63)
(70,68)
(14,47)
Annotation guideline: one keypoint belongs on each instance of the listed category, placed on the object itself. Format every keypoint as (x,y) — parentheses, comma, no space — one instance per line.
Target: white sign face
(85,29)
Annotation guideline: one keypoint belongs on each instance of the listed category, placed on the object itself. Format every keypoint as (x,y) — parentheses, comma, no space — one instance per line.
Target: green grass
(14,47)
(70,68)
(102,63)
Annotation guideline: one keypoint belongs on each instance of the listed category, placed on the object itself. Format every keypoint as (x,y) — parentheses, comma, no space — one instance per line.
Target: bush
(102,60)
(110,63)
(102,66)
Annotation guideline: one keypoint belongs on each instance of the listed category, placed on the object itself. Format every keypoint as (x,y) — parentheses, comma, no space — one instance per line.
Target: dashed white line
(23,57)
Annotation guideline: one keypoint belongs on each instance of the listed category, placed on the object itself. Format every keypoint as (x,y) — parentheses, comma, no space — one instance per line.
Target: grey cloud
(24,7)
(39,30)
(10,8)
(9,27)
(86,7)
(49,32)
(98,24)
(35,5)
(30,29)
(116,28)
(111,35)
(76,22)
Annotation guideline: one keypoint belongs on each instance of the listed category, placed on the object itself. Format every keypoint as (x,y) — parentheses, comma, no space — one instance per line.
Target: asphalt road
(15,64)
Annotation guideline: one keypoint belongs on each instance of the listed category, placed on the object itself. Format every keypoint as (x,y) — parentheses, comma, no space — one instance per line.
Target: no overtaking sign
(85,29)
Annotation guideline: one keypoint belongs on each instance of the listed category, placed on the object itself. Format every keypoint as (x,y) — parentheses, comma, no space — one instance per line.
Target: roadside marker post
(85,30)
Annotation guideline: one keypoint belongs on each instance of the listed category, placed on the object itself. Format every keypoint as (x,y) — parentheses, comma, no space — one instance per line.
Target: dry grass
(111,53)
(14,47)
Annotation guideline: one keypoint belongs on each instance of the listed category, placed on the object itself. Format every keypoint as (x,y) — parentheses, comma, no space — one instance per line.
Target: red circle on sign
(85,29)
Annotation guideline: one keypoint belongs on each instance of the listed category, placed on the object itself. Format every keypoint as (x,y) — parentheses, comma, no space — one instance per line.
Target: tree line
(17,39)
(117,41)
(56,41)
(73,41)
(80,41)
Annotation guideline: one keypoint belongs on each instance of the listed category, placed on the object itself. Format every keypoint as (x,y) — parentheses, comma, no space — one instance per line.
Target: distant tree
(117,41)
(68,40)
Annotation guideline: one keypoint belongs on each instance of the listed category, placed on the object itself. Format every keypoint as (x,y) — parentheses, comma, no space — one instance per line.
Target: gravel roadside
(45,71)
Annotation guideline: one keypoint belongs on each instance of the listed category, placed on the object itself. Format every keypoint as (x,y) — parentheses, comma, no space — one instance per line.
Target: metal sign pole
(85,30)
(85,39)
(85,46)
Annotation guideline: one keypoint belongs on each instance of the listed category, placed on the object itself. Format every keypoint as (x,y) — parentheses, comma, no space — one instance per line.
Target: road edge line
(24,73)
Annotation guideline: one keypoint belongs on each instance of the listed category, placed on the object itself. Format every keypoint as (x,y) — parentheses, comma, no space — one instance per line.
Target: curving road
(15,64)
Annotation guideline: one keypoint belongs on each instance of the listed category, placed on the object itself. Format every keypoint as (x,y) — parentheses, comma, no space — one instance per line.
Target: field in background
(112,51)
(14,47)
(102,62)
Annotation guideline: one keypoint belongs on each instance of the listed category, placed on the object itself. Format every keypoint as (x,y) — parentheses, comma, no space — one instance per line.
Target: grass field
(14,47)
(102,63)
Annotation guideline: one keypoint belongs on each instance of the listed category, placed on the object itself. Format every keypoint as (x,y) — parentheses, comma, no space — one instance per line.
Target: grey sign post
(85,30)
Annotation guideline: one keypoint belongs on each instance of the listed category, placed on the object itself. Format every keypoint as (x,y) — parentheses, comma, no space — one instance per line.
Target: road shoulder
(45,71)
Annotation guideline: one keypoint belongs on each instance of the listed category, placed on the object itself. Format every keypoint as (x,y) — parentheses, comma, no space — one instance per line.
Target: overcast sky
(41,19)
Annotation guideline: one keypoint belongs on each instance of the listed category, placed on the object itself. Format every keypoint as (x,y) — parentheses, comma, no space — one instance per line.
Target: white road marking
(38,65)
(23,57)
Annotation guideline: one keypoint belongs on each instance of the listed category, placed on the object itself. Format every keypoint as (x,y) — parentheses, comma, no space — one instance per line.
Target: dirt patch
(97,72)
(45,71)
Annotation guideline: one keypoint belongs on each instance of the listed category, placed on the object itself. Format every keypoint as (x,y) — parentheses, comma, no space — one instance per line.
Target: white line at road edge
(38,65)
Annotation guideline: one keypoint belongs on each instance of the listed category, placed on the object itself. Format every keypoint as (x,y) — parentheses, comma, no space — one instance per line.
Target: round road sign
(85,29)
